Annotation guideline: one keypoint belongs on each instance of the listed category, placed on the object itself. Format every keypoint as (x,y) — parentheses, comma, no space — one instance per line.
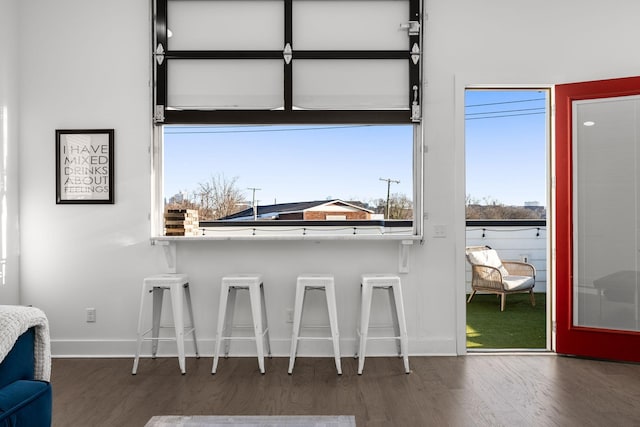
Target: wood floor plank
(475,390)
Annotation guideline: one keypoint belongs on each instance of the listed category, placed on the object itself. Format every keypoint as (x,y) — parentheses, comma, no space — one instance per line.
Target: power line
(506,111)
(504,115)
(506,102)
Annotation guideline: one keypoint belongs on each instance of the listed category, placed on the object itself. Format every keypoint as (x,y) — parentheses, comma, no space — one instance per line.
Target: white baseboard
(279,348)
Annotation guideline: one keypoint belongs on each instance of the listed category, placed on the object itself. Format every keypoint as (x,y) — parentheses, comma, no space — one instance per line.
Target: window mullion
(160,63)
(288,67)
(415,89)
(224,54)
(231,117)
(351,54)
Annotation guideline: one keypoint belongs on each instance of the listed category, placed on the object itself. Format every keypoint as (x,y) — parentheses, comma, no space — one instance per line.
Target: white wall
(86,64)
(83,65)
(9,191)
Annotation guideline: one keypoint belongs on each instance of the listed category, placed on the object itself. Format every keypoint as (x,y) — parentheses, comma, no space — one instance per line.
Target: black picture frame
(84,166)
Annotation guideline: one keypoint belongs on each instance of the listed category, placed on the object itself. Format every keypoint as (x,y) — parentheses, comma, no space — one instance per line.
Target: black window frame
(288,115)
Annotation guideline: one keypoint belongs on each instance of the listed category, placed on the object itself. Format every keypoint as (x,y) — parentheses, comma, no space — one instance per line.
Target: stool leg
(364,324)
(227,330)
(265,323)
(330,293)
(359,308)
(177,303)
(404,338)
(256,311)
(140,332)
(224,294)
(158,294)
(187,295)
(395,320)
(297,317)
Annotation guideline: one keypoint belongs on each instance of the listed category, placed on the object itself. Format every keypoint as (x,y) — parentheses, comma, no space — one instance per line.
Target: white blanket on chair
(15,321)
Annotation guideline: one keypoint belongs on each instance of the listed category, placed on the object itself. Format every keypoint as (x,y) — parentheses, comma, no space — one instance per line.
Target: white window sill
(274,237)
(300,230)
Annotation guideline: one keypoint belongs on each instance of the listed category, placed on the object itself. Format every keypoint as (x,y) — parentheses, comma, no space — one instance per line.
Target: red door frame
(570,339)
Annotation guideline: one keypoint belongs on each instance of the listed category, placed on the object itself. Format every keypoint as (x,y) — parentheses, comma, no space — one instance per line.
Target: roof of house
(273,211)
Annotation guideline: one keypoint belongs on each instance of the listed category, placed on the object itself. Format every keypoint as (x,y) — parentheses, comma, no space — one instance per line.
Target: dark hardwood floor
(475,390)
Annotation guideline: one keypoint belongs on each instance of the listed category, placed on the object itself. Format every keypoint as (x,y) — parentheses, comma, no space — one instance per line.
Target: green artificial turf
(519,326)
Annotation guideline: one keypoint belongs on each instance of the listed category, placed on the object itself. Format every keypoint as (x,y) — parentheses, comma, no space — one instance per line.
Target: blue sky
(505,133)
(505,155)
(294,163)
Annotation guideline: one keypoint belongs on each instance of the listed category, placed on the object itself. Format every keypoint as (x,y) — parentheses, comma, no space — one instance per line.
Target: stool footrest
(159,339)
(315,338)
(382,326)
(187,330)
(383,338)
(237,338)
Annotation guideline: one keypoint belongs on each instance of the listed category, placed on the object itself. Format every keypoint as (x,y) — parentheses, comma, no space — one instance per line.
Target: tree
(219,197)
(400,206)
(213,199)
(493,209)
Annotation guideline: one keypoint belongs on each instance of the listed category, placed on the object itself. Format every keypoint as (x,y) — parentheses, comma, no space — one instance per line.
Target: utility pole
(389,181)
(253,202)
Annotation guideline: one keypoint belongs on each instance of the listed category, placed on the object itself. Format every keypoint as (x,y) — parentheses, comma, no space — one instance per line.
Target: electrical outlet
(289,314)
(91,315)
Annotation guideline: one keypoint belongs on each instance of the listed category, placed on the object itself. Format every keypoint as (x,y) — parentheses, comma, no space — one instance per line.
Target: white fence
(513,240)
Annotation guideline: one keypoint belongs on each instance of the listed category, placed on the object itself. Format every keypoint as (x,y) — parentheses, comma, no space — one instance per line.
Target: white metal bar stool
(178,287)
(324,283)
(391,283)
(228,290)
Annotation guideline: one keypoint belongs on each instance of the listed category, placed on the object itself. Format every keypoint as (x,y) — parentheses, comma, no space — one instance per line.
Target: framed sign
(84,166)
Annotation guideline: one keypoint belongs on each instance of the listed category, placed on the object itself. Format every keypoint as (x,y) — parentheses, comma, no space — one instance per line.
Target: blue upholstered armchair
(25,391)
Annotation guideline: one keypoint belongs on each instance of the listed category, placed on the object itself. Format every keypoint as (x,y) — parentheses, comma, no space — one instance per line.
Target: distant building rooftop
(317,210)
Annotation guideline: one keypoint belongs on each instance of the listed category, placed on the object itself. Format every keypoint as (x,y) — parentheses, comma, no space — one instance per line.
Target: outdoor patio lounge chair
(490,274)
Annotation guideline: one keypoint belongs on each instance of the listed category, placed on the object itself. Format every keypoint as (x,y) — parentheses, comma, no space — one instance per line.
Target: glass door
(598,219)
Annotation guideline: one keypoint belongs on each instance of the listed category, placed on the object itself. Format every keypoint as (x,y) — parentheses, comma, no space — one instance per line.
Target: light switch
(439,231)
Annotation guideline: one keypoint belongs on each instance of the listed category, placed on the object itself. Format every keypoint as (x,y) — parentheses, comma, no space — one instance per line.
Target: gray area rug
(252,421)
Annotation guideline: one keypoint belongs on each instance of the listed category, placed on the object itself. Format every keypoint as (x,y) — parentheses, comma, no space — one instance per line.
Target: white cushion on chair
(488,257)
(516,283)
